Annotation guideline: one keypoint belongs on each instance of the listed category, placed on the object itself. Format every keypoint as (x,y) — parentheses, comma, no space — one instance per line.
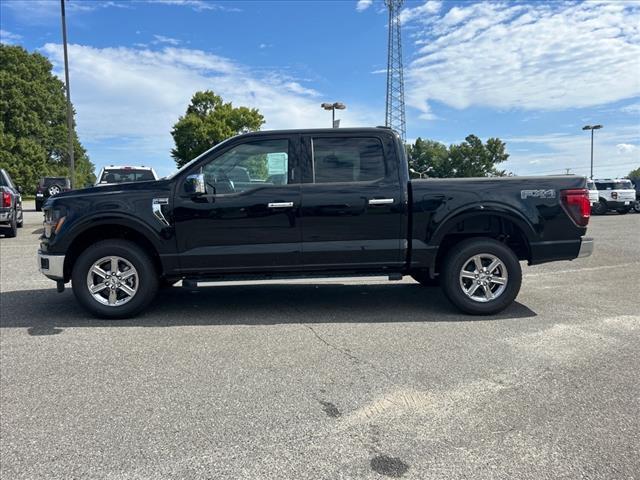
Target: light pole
(592,128)
(333,107)
(72,168)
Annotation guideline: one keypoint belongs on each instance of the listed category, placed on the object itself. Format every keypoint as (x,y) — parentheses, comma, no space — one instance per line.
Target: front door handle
(381,201)
(280,204)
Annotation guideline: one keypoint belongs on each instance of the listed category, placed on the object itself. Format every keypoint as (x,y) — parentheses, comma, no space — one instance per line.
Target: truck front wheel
(481,276)
(114,279)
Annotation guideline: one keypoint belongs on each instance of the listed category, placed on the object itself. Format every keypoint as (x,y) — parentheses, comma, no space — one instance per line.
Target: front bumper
(51,266)
(586,248)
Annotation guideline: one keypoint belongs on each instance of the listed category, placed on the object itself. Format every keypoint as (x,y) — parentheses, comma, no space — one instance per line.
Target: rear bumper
(6,216)
(586,248)
(51,266)
(542,252)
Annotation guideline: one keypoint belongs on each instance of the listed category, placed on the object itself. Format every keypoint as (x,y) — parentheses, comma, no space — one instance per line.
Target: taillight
(577,205)
(6,199)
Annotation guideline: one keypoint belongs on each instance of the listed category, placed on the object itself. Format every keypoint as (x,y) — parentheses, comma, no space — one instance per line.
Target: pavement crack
(332,346)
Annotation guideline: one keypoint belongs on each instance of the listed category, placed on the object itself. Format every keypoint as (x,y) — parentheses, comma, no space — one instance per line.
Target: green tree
(207,122)
(634,174)
(471,158)
(33,128)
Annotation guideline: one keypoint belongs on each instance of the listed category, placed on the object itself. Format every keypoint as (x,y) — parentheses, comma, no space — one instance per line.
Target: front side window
(248,166)
(343,159)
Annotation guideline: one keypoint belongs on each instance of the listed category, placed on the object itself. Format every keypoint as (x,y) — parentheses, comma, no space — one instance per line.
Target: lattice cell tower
(394,114)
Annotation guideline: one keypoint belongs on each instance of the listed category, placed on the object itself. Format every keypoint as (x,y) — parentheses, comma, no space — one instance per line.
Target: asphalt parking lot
(350,379)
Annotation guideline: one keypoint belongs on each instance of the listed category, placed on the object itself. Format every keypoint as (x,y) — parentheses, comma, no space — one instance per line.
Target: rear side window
(620,185)
(344,159)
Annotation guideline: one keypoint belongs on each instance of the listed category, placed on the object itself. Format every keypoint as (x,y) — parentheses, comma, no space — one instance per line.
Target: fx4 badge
(524,194)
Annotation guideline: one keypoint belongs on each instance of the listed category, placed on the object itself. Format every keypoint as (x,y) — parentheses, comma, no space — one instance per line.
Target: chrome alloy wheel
(112,281)
(54,190)
(483,277)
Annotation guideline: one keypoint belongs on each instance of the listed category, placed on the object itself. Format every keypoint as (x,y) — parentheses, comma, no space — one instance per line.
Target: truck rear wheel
(481,276)
(114,279)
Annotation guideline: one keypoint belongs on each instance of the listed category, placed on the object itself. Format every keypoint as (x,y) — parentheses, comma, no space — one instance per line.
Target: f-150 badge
(524,194)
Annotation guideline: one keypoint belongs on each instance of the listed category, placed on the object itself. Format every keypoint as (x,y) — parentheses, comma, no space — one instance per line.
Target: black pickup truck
(303,203)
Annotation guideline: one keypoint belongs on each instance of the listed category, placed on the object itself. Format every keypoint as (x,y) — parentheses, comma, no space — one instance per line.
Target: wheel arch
(110,229)
(498,222)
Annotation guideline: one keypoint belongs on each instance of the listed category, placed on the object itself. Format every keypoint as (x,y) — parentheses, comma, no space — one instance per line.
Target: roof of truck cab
(322,130)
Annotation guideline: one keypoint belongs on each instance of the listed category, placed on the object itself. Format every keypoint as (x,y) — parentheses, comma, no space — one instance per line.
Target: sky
(532,74)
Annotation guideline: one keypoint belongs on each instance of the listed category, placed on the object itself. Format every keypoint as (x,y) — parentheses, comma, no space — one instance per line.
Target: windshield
(615,185)
(60,181)
(124,175)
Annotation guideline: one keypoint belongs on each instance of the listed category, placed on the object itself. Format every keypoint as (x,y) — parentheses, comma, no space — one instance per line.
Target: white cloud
(133,96)
(197,5)
(624,148)
(8,37)
(633,109)
(166,40)
(538,56)
(362,5)
(422,12)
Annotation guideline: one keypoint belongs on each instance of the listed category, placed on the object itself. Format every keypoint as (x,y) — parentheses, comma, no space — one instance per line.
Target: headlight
(53,220)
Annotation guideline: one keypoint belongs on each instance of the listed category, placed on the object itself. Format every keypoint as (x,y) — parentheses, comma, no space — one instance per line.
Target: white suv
(614,194)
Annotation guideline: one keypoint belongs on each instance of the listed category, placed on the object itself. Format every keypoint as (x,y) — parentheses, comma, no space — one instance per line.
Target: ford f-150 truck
(303,203)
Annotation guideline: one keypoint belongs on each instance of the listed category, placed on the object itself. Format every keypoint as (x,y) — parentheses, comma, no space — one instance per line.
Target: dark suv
(50,186)
(10,205)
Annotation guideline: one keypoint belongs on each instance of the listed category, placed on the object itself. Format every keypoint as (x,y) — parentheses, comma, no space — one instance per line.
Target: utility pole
(394,111)
(72,167)
(592,128)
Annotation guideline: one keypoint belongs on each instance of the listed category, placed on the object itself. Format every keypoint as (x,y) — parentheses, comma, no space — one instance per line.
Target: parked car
(614,194)
(50,186)
(340,202)
(594,198)
(636,185)
(122,174)
(11,216)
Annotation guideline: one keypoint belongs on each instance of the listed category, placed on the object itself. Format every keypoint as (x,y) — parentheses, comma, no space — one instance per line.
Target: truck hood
(115,188)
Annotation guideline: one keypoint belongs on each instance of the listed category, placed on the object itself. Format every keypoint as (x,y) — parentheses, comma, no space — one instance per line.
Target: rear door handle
(280,205)
(381,201)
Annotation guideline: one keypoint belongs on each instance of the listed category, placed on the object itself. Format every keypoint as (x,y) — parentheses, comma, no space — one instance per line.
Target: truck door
(248,219)
(352,203)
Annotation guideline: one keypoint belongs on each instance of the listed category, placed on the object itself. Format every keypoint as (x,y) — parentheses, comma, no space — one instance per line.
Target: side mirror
(194,184)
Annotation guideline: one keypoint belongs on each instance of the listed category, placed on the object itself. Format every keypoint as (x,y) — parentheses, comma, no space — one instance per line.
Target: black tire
(13,228)
(599,208)
(423,278)
(460,255)
(636,206)
(147,286)
(38,206)
(624,211)
(20,223)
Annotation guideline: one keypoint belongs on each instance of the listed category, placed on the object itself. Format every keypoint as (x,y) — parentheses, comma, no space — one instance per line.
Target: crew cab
(303,203)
